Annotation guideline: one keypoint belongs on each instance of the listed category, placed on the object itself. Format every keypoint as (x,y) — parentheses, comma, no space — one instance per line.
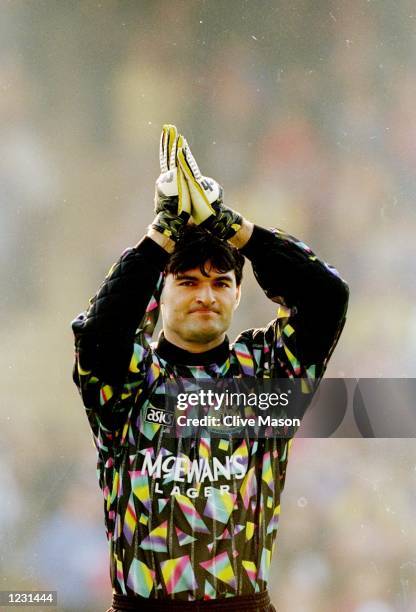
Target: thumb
(184,198)
(201,208)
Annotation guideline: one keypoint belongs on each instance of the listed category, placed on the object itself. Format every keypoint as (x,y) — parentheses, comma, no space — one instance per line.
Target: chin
(204,335)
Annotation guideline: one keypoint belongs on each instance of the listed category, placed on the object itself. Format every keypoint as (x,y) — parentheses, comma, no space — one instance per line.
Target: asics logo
(157,415)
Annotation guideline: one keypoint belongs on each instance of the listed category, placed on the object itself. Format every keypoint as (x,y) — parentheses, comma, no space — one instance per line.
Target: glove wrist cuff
(169,225)
(225,224)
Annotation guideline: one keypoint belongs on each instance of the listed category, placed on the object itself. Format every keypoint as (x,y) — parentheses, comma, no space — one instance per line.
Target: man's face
(198,309)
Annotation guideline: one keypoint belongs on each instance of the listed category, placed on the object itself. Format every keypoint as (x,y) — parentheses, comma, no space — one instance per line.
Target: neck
(192,347)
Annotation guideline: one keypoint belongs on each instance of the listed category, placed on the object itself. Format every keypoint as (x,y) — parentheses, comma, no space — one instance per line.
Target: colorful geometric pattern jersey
(207,530)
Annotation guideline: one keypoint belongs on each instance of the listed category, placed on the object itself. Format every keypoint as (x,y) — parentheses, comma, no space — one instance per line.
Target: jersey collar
(175,355)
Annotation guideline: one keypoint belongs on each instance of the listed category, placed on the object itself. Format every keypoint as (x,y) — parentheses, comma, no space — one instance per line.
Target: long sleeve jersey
(211,532)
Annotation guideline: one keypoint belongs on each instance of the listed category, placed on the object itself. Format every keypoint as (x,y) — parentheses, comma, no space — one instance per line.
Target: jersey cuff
(257,241)
(153,252)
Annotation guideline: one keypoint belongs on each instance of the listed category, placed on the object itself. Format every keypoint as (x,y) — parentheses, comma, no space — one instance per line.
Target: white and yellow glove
(172,199)
(206,194)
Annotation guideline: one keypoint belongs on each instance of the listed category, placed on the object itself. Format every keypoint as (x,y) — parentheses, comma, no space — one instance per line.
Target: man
(192,520)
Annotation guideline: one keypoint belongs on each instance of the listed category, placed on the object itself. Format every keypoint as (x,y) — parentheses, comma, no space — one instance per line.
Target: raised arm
(291,274)
(105,333)
(112,336)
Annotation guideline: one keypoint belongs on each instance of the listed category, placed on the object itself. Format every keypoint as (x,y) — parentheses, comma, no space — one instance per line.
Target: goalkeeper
(205,547)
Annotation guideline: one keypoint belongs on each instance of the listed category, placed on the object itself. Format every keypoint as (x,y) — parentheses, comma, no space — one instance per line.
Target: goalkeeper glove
(206,194)
(172,199)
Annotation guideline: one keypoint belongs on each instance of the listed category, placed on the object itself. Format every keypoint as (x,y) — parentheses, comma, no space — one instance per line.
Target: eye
(187,283)
(222,284)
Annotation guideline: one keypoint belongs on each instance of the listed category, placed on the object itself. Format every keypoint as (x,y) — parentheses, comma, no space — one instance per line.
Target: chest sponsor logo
(159,416)
(183,469)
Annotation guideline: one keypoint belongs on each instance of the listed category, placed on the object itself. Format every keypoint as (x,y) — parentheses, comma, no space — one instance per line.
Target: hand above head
(206,195)
(172,199)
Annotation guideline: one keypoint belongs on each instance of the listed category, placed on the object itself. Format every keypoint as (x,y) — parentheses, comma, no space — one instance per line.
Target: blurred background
(303,111)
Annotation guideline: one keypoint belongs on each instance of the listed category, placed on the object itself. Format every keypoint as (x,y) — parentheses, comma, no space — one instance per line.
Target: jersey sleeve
(312,301)
(112,349)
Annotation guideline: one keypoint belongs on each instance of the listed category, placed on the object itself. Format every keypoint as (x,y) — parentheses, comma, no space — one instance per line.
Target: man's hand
(172,199)
(207,198)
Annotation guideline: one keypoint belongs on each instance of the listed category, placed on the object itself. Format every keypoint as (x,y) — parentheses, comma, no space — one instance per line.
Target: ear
(238,297)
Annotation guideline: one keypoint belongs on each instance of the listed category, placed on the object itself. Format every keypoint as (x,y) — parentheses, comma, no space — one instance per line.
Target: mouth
(204,311)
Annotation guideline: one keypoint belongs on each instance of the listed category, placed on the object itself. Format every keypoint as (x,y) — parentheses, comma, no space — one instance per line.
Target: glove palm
(207,198)
(172,199)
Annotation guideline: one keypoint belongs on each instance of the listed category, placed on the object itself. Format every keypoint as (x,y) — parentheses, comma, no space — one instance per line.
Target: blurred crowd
(303,111)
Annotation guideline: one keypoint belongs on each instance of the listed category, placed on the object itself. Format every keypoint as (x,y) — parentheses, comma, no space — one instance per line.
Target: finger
(191,161)
(189,175)
(201,208)
(167,149)
(172,143)
(163,160)
(184,198)
(179,147)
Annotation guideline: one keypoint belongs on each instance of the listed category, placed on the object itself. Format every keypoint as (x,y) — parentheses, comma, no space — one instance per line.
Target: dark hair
(197,246)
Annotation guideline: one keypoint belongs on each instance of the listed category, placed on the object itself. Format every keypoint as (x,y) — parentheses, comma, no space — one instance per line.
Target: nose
(205,296)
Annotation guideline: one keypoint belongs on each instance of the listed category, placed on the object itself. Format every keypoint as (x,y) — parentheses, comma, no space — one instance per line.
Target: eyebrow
(223,277)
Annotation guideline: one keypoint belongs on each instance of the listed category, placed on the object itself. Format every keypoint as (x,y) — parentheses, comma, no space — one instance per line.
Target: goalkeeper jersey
(206,530)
